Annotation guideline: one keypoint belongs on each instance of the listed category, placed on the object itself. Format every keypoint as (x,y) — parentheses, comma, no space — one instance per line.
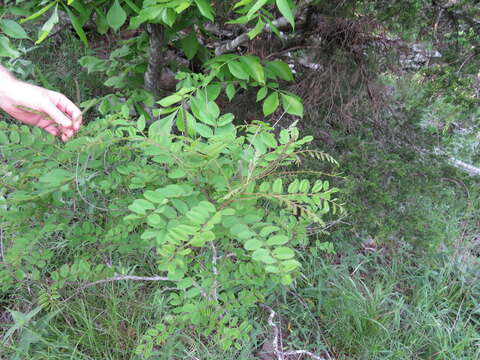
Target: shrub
(217,214)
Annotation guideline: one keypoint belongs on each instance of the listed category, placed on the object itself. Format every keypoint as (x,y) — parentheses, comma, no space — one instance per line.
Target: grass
(406,307)
(414,296)
(368,306)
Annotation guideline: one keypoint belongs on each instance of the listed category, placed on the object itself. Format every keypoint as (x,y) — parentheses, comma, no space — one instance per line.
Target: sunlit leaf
(48,26)
(270,104)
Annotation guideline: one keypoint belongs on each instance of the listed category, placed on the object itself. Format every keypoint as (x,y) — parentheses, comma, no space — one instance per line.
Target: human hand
(51,111)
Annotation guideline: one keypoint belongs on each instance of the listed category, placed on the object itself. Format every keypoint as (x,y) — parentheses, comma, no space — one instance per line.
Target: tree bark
(155,59)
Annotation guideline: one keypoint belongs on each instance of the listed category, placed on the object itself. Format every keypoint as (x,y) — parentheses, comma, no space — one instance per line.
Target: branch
(470,169)
(281,23)
(459,164)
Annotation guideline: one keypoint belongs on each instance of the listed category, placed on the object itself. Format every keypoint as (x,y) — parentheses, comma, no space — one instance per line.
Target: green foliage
(209,209)
(456,90)
(114,15)
(126,65)
(181,186)
(173,191)
(29,331)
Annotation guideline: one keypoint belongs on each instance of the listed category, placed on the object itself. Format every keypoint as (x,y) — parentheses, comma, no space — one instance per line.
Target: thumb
(56,115)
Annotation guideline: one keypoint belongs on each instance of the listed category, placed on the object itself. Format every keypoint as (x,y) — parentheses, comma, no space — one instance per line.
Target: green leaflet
(13,29)
(48,26)
(116,16)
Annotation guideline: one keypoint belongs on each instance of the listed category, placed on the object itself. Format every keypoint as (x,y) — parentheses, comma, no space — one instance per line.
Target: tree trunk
(155,59)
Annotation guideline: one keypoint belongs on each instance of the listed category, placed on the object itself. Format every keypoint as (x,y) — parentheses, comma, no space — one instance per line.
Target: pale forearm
(5,75)
(7,83)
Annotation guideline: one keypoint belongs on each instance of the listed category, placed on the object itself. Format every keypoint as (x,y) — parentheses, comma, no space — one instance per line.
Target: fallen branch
(278,350)
(470,169)
(280,23)
(459,164)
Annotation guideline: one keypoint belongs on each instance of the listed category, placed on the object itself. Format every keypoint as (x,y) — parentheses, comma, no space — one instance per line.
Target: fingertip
(77,123)
(58,116)
(69,108)
(66,134)
(52,130)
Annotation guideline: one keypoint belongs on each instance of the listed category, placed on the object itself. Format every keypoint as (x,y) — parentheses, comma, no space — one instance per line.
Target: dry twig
(1,243)
(278,350)
(215,271)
